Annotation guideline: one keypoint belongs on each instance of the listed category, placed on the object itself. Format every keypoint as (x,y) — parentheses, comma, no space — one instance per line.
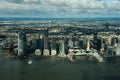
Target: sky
(60,8)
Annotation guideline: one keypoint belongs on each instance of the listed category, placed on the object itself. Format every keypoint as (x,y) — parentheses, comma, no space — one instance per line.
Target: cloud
(60,7)
(30,0)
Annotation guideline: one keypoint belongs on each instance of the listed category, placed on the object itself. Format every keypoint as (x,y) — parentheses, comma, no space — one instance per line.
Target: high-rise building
(84,43)
(110,50)
(107,26)
(118,47)
(102,49)
(62,47)
(46,51)
(70,43)
(53,48)
(95,41)
(21,44)
(71,40)
(88,44)
(38,46)
(80,43)
(114,42)
(57,47)
(38,43)
(109,40)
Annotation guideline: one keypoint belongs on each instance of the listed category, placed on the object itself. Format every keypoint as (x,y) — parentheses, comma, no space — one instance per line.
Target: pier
(82,52)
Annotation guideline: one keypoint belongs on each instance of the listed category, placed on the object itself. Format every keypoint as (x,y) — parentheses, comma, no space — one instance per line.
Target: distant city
(25,38)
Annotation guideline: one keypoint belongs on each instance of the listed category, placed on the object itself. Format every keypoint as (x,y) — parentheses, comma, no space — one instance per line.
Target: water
(58,69)
(70,19)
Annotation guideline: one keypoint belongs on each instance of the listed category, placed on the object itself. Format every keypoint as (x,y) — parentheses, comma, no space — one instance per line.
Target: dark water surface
(58,69)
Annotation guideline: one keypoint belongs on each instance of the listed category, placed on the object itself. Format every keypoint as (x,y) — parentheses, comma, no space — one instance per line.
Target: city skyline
(60,8)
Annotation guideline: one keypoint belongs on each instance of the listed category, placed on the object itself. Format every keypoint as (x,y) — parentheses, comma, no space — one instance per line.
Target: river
(84,68)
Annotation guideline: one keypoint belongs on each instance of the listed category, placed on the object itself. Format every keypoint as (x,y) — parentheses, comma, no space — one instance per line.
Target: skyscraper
(102,45)
(88,44)
(107,25)
(70,43)
(70,40)
(38,46)
(110,50)
(80,43)
(53,47)
(118,47)
(46,51)
(21,43)
(62,47)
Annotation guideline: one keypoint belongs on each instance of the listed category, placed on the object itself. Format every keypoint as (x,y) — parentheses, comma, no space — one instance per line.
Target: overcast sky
(60,8)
